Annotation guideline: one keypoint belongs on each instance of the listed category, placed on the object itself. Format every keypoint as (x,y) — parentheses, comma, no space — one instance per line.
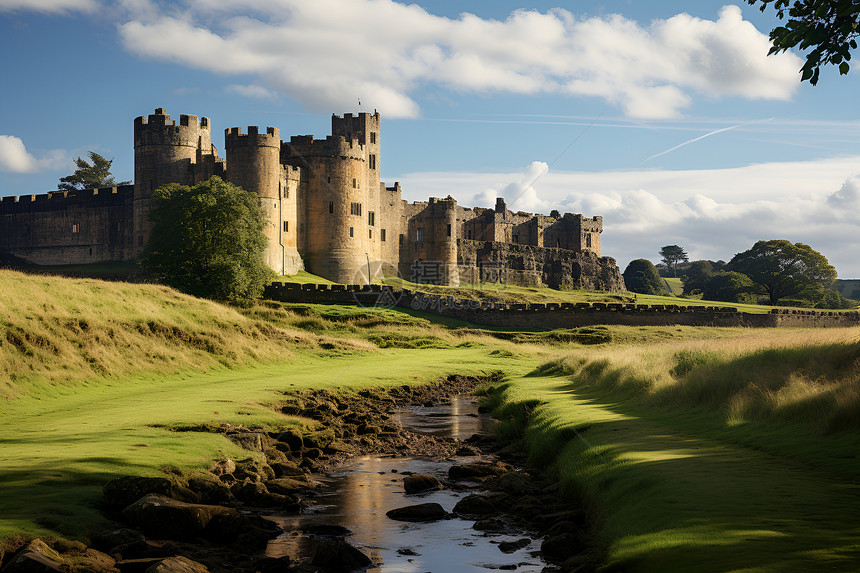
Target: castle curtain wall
(69,227)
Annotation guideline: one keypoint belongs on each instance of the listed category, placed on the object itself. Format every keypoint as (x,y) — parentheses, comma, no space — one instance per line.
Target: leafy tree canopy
(784,269)
(829,27)
(641,276)
(208,240)
(727,286)
(90,175)
(697,275)
(672,255)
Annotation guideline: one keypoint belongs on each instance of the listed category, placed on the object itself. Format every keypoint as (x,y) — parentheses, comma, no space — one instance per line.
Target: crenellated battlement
(233,137)
(62,199)
(305,146)
(159,129)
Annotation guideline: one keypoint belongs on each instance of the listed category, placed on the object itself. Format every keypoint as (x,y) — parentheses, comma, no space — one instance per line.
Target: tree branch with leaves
(829,27)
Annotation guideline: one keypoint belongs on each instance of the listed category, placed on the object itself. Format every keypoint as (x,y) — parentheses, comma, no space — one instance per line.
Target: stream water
(359,495)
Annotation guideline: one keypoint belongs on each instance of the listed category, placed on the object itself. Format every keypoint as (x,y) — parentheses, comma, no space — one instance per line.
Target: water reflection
(361,494)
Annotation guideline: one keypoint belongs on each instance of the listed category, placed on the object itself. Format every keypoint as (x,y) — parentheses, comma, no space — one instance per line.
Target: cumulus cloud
(14,157)
(714,214)
(329,53)
(48,6)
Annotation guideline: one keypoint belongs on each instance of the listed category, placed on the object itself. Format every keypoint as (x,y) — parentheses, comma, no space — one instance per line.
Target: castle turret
(342,209)
(253,163)
(164,152)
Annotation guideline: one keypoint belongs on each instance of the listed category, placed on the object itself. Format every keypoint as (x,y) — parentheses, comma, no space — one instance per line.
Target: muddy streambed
(358,495)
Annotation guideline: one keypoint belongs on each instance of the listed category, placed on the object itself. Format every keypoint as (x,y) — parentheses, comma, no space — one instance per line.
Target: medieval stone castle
(328,212)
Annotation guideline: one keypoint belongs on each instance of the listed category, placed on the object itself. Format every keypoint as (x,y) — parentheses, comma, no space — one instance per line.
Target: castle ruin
(327,212)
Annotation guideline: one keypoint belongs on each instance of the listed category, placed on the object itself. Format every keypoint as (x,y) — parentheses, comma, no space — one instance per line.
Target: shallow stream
(358,495)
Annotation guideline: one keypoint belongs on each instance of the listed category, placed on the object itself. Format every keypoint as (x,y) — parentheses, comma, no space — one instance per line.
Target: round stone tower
(164,152)
(444,234)
(253,163)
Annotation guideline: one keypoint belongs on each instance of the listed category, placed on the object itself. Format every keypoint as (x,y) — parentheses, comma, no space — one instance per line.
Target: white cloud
(14,157)
(714,213)
(253,91)
(330,53)
(48,6)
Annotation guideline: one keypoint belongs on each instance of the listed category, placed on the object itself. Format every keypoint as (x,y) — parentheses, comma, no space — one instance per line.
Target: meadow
(708,448)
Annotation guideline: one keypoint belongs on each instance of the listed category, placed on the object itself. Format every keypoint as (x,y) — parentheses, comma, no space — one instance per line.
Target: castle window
(448,231)
(516,239)
(331,206)
(400,240)
(355,209)
(329,179)
(420,236)
(372,161)
(354,183)
(373,137)
(350,232)
(286,226)
(91,250)
(588,240)
(118,227)
(370,233)
(469,234)
(371,218)
(382,235)
(75,228)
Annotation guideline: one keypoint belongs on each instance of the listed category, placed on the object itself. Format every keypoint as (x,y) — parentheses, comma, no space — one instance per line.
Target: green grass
(674,284)
(675,479)
(303,277)
(59,447)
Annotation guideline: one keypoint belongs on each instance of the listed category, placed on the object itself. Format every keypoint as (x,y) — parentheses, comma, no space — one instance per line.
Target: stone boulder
(417,483)
(336,556)
(162,517)
(177,564)
(250,531)
(477,471)
(221,467)
(420,512)
(123,491)
(39,557)
(475,505)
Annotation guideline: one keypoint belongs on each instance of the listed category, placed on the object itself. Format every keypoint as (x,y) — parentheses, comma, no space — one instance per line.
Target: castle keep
(327,212)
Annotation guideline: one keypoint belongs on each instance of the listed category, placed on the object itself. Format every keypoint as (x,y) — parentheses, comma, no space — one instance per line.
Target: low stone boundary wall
(540,316)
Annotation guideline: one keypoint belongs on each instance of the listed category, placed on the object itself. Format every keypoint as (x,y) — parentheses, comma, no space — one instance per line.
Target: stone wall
(75,227)
(541,317)
(526,265)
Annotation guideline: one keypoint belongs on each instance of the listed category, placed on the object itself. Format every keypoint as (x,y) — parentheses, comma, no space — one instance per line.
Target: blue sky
(665,117)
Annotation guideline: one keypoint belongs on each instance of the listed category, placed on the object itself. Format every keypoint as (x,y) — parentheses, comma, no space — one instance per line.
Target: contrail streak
(701,137)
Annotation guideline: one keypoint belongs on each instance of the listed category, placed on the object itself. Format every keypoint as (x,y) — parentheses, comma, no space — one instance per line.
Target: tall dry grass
(56,331)
(808,376)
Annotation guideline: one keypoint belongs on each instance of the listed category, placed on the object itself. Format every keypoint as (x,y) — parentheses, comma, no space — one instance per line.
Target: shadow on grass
(662,499)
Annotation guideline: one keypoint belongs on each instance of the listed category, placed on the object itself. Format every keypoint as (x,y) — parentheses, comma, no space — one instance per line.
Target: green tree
(90,175)
(641,276)
(208,240)
(784,269)
(727,286)
(671,255)
(829,27)
(697,276)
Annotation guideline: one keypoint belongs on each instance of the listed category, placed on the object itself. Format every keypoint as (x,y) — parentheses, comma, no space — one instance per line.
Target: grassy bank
(693,448)
(734,454)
